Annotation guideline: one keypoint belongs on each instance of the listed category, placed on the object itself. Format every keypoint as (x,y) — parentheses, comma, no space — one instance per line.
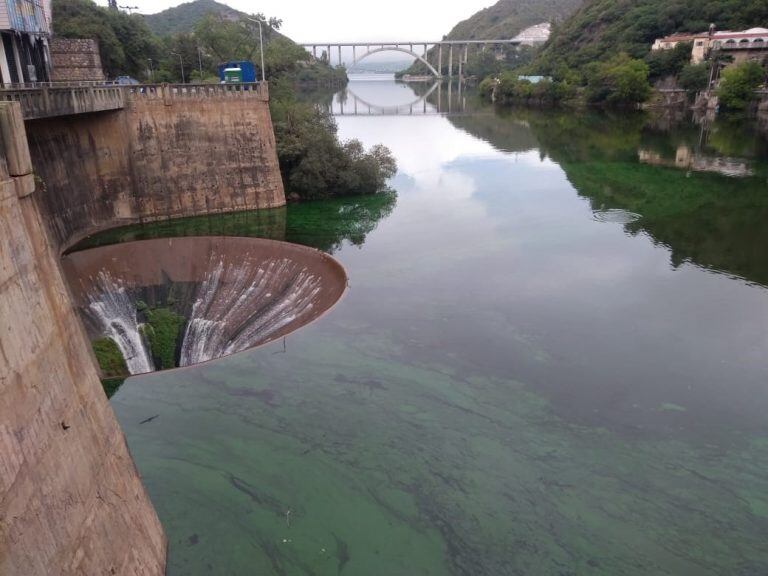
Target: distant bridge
(361,106)
(410,47)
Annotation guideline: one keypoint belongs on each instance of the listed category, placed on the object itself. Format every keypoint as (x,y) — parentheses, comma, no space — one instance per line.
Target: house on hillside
(742,45)
(749,44)
(25,26)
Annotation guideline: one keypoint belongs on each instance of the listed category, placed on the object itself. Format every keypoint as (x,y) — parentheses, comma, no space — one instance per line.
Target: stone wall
(71,500)
(76,60)
(167,154)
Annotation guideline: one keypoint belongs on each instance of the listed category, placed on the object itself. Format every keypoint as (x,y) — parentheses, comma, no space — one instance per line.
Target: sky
(308,21)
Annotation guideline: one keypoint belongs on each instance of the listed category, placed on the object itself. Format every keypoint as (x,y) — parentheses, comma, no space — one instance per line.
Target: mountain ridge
(507,18)
(184,17)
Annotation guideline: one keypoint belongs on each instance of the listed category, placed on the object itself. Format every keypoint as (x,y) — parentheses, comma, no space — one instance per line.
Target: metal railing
(743,46)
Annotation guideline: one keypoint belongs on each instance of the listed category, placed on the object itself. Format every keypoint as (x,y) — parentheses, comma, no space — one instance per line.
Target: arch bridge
(418,49)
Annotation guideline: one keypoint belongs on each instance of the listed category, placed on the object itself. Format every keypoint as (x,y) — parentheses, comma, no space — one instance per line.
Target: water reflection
(707,207)
(372,95)
(534,371)
(325,225)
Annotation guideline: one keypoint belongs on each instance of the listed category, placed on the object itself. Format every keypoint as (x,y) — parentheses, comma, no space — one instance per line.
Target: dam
(72,499)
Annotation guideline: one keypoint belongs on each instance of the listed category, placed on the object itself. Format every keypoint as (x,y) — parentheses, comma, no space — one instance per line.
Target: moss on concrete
(163,330)
(110,358)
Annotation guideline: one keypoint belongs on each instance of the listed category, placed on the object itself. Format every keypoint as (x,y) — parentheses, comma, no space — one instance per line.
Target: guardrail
(48,102)
(743,46)
(168,91)
(54,99)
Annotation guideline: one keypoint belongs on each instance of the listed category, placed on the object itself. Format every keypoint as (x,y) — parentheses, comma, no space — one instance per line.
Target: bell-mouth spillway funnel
(177,302)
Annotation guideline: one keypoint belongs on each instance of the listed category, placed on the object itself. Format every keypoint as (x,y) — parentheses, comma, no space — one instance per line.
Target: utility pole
(181,64)
(200,62)
(261,46)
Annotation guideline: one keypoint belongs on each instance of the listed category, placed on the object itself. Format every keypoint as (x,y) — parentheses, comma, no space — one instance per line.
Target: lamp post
(181,64)
(261,46)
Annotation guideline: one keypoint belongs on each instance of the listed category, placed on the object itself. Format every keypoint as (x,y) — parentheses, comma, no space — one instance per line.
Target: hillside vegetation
(504,20)
(507,18)
(600,29)
(313,161)
(184,17)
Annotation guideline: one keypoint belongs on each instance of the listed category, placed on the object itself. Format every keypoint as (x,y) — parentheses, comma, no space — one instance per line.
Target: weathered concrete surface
(48,101)
(71,500)
(161,157)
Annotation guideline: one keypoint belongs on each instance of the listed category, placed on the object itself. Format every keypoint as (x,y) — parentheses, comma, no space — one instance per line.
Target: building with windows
(25,26)
(749,44)
(742,45)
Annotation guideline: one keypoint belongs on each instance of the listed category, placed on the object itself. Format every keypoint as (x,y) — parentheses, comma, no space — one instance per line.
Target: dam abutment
(71,498)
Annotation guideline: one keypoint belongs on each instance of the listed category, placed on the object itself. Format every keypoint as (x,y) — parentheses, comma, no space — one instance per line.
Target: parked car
(126,80)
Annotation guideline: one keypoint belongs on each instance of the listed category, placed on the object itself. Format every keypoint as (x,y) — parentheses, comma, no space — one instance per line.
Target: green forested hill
(602,28)
(184,17)
(507,18)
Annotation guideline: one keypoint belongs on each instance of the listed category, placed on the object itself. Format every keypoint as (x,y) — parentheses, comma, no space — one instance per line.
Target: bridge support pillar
(339,54)
(440,59)
(461,63)
(450,61)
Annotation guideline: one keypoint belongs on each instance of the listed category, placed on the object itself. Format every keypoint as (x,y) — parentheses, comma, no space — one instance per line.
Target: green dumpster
(233,75)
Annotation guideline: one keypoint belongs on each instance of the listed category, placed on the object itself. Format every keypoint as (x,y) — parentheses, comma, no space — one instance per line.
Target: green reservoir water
(551,360)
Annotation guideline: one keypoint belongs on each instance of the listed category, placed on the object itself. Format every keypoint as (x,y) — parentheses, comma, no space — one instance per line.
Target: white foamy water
(235,309)
(113,308)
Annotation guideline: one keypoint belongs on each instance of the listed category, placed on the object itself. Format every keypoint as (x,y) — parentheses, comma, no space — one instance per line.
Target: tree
(228,39)
(738,84)
(663,63)
(125,42)
(621,81)
(694,77)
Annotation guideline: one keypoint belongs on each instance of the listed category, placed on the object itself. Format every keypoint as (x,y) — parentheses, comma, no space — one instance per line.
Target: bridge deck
(409,43)
(48,101)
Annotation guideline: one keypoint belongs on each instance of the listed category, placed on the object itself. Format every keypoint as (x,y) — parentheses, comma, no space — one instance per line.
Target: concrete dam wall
(169,153)
(71,500)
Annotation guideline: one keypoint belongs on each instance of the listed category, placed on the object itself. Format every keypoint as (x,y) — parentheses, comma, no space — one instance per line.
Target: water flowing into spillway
(113,309)
(224,319)
(231,294)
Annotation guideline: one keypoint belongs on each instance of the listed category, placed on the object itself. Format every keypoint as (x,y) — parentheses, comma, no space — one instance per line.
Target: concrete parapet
(52,101)
(256,90)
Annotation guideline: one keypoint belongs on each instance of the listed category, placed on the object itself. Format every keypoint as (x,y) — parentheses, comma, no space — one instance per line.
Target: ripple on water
(615,216)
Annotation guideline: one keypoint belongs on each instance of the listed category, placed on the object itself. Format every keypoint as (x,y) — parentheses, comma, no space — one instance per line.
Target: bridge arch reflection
(439,98)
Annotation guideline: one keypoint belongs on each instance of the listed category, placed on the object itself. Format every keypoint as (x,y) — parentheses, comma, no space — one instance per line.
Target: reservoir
(550,358)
